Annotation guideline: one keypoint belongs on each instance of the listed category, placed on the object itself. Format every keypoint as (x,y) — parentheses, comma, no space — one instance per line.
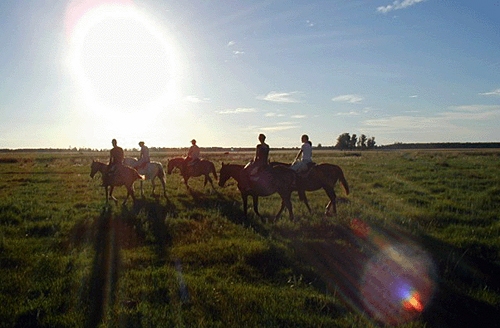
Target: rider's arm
(298,155)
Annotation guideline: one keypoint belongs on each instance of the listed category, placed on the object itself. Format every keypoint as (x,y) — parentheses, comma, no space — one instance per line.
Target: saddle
(142,166)
(305,173)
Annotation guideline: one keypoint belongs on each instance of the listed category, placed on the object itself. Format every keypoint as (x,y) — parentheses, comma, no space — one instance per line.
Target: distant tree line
(345,141)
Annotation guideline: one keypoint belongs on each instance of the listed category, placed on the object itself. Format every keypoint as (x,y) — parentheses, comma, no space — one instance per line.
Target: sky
(80,73)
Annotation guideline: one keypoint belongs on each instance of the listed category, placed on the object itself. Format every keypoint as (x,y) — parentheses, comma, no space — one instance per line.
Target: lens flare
(413,302)
(398,279)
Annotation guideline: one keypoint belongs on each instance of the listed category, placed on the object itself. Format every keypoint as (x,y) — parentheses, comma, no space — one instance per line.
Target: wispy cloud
(196,100)
(451,124)
(351,99)
(280,127)
(299,116)
(273,114)
(231,43)
(397,5)
(282,97)
(351,113)
(240,110)
(491,93)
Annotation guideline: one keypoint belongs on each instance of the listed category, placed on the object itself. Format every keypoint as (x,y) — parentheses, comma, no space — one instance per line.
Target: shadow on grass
(345,260)
(113,231)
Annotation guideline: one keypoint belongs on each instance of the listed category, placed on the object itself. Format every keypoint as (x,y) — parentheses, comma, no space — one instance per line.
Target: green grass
(66,260)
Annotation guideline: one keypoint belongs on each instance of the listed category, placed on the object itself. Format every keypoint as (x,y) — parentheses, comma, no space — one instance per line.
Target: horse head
(94,167)
(226,172)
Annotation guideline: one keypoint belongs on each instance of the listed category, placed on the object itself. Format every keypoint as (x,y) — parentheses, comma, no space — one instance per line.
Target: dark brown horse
(202,167)
(321,176)
(277,180)
(124,176)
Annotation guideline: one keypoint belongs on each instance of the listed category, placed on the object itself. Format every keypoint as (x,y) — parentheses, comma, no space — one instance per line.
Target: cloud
(231,43)
(281,97)
(456,122)
(280,127)
(351,99)
(397,5)
(196,100)
(351,113)
(491,93)
(273,114)
(240,110)
(299,116)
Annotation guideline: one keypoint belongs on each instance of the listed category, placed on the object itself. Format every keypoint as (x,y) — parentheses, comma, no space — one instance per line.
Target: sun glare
(122,60)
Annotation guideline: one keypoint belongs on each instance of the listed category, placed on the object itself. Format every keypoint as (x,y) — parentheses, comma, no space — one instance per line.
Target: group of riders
(303,160)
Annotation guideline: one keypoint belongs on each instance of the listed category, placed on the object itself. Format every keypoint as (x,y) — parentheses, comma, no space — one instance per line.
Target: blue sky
(79,73)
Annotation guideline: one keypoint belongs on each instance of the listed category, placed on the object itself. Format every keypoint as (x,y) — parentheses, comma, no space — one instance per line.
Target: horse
(277,180)
(202,167)
(151,171)
(320,176)
(124,176)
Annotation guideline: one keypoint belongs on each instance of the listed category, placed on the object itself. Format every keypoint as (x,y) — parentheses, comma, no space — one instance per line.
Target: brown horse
(202,167)
(321,176)
(124,176)
(277,180)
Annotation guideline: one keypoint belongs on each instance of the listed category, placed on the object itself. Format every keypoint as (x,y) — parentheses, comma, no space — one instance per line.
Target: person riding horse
(193,155)
(116,156)
(258,164)
(303,165)
(144,158)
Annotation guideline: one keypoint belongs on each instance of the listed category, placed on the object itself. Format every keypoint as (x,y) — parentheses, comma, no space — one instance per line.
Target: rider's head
(262,137)
(141,143)
(193,142)
(305,138)
(113,142)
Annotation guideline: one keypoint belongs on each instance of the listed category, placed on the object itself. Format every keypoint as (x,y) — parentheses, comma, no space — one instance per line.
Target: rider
(193,155)
(116,157)
(306,152)
(144,157)
(259,162)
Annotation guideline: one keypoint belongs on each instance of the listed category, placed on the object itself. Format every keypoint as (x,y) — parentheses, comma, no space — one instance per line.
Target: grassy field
(415,244)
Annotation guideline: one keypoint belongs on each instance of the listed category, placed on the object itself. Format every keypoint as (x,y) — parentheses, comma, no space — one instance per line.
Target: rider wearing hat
(193,155)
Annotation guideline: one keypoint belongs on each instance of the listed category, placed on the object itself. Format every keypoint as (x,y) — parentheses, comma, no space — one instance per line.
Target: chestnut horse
(277,180)
(124,176)
(320,176)
(202,167)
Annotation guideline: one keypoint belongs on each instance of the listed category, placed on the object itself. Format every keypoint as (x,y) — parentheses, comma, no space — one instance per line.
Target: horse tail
(214,171)
(343,181)
(161,173)
(139,176)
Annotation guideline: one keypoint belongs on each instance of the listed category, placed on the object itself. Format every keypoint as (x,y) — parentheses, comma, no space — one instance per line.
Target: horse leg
(186,178)
(153,184)
(162,180)
(111,194)
(207,177)
(106,191)
(286,202)
(331,207)
(303,198)
(255,200)
(142,190)
(244,198)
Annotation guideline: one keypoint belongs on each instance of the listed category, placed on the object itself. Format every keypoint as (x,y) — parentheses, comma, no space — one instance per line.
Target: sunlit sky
(79,73)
